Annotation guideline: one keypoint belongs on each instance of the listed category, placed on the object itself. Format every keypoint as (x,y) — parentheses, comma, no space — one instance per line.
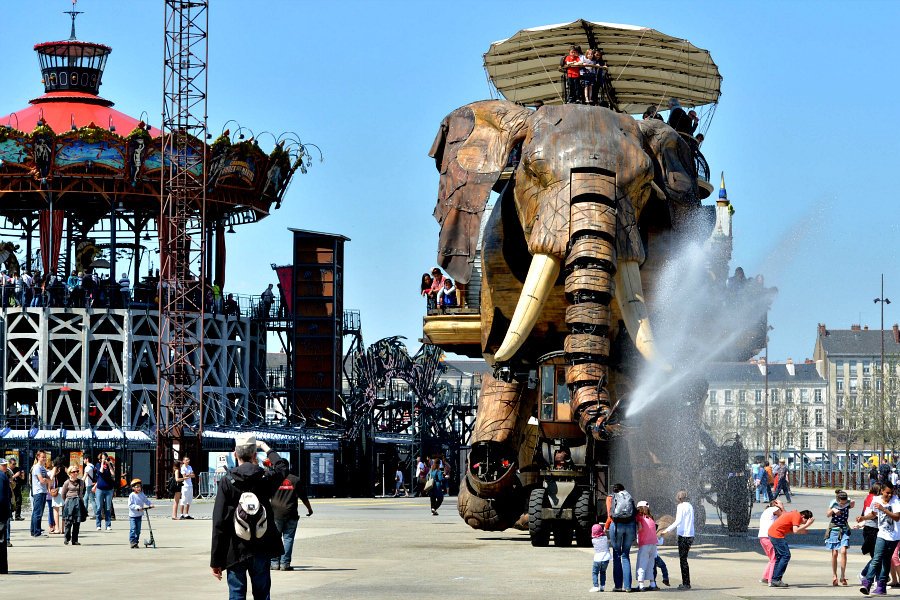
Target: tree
(784,419)
(855,416)
(888,379)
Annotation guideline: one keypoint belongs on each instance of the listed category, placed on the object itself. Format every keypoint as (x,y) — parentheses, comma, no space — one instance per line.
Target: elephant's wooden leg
(489,497)
(590,286)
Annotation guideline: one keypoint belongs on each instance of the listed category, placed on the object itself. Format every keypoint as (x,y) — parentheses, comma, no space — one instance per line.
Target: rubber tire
(562,533)
(537,529)
(583,520)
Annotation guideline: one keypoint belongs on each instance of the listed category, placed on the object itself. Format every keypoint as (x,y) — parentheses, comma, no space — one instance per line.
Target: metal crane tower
(182,235)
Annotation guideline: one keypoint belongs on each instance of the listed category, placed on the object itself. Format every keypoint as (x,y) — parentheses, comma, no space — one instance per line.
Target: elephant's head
(584,177)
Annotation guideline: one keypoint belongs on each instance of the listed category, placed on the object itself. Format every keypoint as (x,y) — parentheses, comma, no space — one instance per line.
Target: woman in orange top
(769,482)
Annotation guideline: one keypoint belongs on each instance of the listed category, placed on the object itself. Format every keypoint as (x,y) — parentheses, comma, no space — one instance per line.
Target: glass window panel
(563,407)
(547,384)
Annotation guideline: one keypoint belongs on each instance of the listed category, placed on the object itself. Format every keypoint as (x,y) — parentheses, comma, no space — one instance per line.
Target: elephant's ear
(674,169)
(471,150)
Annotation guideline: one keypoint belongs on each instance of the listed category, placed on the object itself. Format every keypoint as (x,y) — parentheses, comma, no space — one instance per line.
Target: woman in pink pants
(765,521)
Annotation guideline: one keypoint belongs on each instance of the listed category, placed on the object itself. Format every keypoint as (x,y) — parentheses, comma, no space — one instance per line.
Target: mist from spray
(695,322)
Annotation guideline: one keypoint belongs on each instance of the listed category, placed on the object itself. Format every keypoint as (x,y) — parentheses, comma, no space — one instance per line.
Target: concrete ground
(393,547)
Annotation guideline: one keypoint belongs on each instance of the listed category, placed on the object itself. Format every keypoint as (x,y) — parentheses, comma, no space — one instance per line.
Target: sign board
(332,445)
(321,468)
(219,462)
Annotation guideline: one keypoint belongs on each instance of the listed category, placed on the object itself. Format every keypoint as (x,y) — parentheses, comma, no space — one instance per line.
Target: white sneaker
(108,528)
(98,528)
(594,589)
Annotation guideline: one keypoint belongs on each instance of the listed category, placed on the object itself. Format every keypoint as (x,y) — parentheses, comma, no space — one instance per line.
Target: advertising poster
(76,459)
(13,454)
(220,462)
(321,468)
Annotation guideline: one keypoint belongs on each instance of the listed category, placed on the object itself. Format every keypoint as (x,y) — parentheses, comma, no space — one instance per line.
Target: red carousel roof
(72,48)
(59,108)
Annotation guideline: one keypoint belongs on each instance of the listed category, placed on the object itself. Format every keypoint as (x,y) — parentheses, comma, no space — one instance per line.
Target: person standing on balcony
(428,293)
(681,121)
(267,300)
(446,298)
(125,290)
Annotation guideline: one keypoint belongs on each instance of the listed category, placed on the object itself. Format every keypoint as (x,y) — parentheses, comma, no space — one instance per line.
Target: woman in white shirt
(684,522)
(775,509)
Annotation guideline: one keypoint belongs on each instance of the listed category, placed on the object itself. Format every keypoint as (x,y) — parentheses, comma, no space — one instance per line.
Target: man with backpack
(245,538)
(622,532)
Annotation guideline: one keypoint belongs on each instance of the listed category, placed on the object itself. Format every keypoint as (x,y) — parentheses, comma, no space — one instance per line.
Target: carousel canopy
(646,67)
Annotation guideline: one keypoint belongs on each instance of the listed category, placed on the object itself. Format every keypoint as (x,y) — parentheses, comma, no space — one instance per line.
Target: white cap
(643,503)
(245,439)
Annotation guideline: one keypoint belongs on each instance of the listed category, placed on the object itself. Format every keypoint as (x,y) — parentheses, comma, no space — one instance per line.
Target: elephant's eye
(537,168)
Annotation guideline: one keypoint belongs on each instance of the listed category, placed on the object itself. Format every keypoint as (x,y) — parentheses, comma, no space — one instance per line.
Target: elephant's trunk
(590,287)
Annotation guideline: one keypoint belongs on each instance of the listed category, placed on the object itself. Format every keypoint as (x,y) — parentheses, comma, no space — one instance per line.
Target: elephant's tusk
(630,296)
(541,277)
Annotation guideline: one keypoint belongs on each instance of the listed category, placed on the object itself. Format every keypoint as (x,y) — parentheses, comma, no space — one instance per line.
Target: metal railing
(209,484)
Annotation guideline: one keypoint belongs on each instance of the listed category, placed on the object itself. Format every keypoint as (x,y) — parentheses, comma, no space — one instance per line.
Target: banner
(76,459)
(286,279)
(220,462)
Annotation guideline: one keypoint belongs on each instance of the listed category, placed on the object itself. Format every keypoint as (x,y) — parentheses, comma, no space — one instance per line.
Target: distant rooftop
(859,341)
(752,373)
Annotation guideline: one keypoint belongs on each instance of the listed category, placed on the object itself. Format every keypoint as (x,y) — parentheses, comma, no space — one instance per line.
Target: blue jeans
(50,520)
(260,579)
(599,569)
(783,487)
(880,565)
(104,505)
(38,501)
(134,534)
(659,564)
(782,557)
(621,538)
(286,529)
(90,501)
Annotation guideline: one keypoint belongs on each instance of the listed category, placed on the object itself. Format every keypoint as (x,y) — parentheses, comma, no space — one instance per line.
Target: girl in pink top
(646,537)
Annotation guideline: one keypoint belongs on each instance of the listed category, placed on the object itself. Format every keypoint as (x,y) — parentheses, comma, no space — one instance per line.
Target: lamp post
(766,404)
(883,301)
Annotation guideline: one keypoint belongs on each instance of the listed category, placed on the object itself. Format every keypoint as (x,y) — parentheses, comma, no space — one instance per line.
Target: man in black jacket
(234,554)
(681,121)
(5,514)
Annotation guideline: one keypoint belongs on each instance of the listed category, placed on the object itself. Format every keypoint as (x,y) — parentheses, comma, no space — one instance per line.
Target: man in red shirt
(789,522)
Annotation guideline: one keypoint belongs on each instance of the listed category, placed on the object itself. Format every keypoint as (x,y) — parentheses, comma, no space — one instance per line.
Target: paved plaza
(392,548)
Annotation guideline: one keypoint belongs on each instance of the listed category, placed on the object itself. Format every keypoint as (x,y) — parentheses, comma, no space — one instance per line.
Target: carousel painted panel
(74,151)
(241,166)
(13,150)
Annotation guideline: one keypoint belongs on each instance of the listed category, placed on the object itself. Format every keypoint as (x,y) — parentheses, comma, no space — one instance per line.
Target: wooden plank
(579,343)
(593,280)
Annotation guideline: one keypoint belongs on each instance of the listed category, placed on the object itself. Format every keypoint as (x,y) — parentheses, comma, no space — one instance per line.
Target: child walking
(659,564)
(837,535)
(137,502)
(775,510)
(646,535)
(601,556)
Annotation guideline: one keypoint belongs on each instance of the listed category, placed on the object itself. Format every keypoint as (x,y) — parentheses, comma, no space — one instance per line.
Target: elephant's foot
(490,514)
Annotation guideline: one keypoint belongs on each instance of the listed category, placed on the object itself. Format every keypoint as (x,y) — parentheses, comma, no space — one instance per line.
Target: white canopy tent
(646,67)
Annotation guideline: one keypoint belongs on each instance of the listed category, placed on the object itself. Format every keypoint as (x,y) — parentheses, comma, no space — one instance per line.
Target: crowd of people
(432,479)
(438,291)
(769,483)
(629,523)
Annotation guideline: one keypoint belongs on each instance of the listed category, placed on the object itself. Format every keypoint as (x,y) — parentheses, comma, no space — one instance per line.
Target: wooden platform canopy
(646,67)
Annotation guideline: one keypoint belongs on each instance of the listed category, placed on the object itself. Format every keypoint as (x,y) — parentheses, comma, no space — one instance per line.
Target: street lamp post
(766,399)
(883,301)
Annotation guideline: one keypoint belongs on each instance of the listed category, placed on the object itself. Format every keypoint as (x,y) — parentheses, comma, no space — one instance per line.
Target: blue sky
(803,131)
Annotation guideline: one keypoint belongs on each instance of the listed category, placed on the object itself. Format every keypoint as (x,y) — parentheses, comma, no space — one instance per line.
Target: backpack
(172,485)
(622,509)
(250,520)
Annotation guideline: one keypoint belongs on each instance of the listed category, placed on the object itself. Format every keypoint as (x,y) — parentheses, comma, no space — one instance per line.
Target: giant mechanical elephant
(580,226)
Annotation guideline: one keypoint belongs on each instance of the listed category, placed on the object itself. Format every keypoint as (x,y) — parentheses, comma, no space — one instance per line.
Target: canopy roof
(60,109)
(646,67)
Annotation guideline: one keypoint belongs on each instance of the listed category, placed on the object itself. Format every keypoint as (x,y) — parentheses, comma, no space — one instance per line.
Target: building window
(878,384)
(818,396)
(727,417)
(852,368)
(853,385)
(727,396)
(713,418)
(789,417)
(867,384)
(867,367)
(840,402)
(712,397)
(758,396)
(839,384)
(774,396)
(759,417)
(775,438)
(819,440)
(789,396)
(789,440)
(804,395)
(804,418)
(839,367)
(818,417)
(742,418)
(805,440)
(742,396)
(839,422)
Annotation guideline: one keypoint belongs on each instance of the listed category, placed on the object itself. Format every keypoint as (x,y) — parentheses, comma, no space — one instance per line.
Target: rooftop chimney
(896,333)
(820,368)
(790,367)
(761,363)
(854,328)
(867,328)
(822,329)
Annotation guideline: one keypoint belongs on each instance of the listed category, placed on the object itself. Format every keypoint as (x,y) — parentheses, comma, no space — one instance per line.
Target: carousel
(80,186)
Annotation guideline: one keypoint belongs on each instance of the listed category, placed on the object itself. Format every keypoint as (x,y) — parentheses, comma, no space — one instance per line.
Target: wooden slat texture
(584,372)
(593,280)
(595,248)
(587,344)
(592,217)
(588,313)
